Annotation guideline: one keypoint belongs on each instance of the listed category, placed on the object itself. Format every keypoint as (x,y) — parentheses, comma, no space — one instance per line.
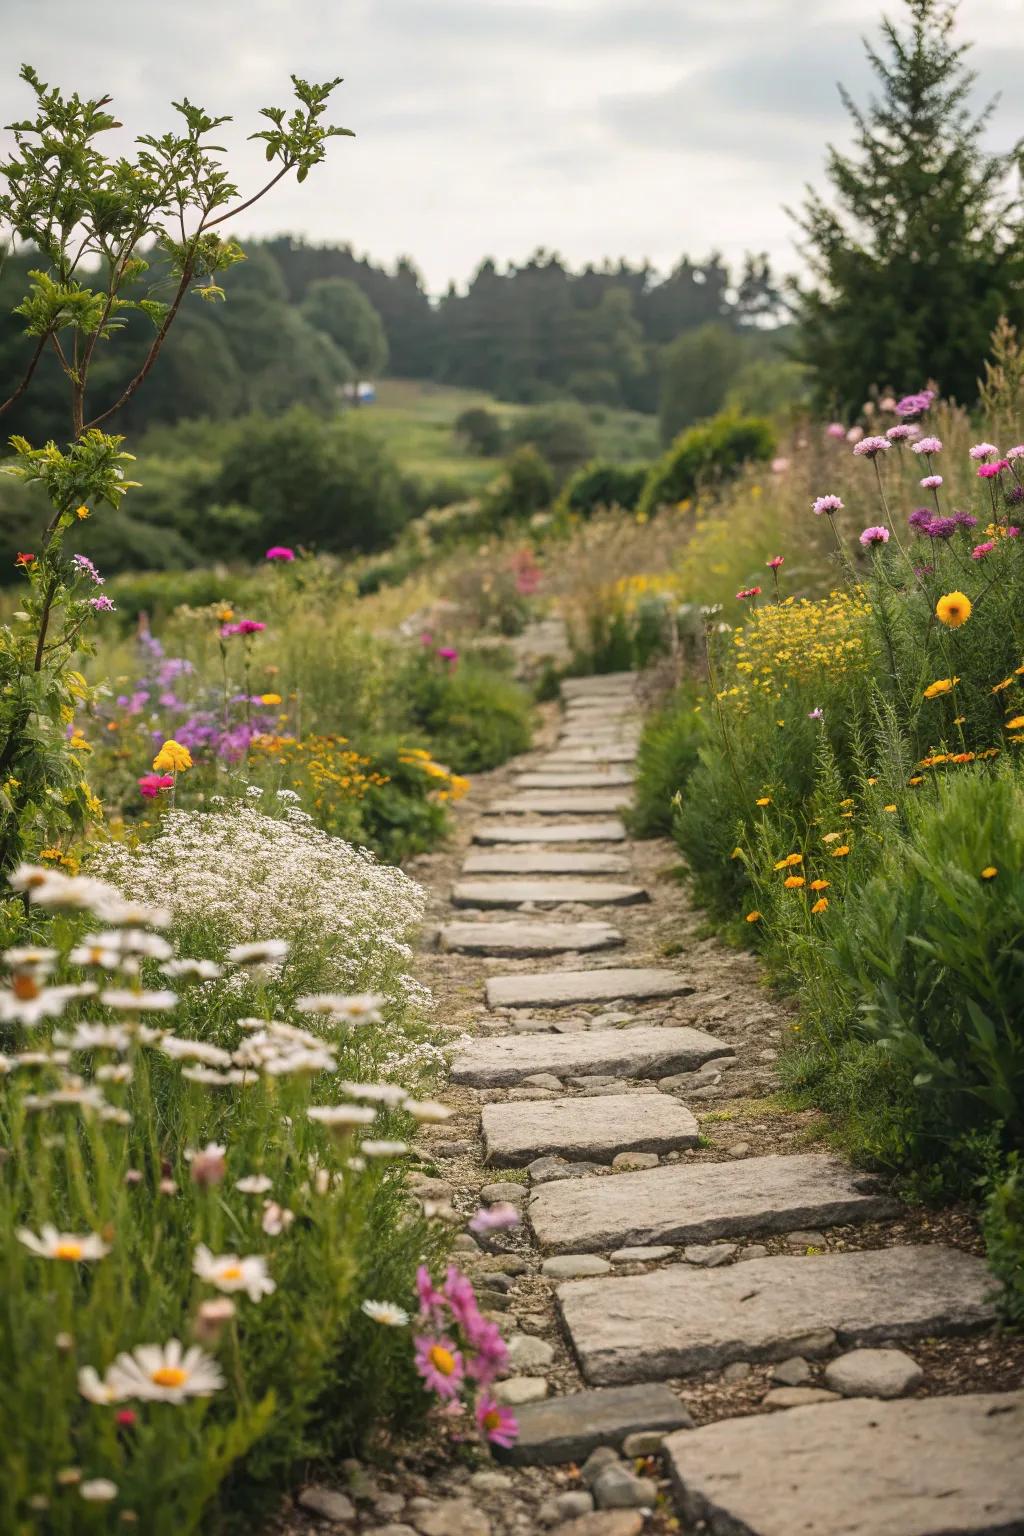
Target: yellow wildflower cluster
(630,591)
(333,768)
(452,786)
(798,641)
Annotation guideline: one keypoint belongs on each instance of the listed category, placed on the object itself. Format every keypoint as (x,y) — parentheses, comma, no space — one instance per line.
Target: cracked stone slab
(550,989)
(565,1429)
(500,939)
(499,1060)
(701,1203)
(611,831)
(598,1129)
(608,778)
(680,1320)
(939,1466)
(565,802)
(516,862)
(546,893)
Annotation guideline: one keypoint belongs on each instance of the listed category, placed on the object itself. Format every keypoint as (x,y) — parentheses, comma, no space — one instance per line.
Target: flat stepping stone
(612,753)
(550,989)
(567,802)
(515,862)
(597,682)
(528,938)
(681,1319)
(566,1429)
(599,1129)
(611,831)
(700,1203)
(939,1466)
(546,893)
(500,1060)
(595,779)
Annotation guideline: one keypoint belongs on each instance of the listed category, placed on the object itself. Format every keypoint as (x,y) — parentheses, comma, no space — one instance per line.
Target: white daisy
(292,1063)
(112,908)
(427,1111)
(164,1373)
(51,1244)
(254,1184)
(102,955)
(202,970)
(115,1072)
(385,1312)
(98,1490)
(138,1002)
(384,1148)
(361,1009)
(341,1116)
(276,1218)
(376,1093)
(30,958)
(29,1002)
(214,1079)
(180,1049)
(269,952)
(230,1273)
(96,1037)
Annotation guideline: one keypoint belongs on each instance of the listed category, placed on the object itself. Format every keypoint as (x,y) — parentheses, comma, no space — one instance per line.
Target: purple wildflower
(965,520)
(982,451)
(498,1218)
(920,519)
(877,534)
(102,605)
(871,447)
(816,714)
(835,429)
(902,433)
(827,504)
(912,406)
(927,445)
(942,527)
(931,482)
(86,568)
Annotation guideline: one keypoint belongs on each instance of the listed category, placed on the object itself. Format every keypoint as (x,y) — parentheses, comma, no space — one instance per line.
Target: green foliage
(525,486)
(924,248)
(474,717)
(600,485)
(340,309)
(481,430)
(697,370)
(666,758)
(1004,1236)
(559,432)
(711,451)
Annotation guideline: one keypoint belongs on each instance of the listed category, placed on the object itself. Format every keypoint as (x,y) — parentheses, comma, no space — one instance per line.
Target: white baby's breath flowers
(67,1246)
(385,1312)
(229,1273)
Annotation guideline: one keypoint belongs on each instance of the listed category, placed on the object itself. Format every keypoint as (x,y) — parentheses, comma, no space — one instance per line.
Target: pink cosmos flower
(440,1364)
(871,447)
(102,604)
(931,482)
(448,653)
(835,429)
(982,451)
(496,1218)
(432,1303)
(243,627)
(993,471)
(927,445)
(981,550)
(774,563)
(495,1422)
(874,535)
(151,784)
(827,504)
(280,552)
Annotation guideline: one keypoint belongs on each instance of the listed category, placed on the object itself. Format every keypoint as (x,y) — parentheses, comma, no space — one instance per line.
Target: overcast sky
(598,128)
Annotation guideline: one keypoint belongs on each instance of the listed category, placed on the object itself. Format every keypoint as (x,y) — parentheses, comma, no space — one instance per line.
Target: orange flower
(753,917)
(888,807)
(953,609)
(820,885)
(794,882)
(989,872)
(840,853)
(821,905)
(764,800)
(1016,724)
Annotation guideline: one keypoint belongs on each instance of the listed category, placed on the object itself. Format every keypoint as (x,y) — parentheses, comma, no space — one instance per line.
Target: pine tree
(924,248)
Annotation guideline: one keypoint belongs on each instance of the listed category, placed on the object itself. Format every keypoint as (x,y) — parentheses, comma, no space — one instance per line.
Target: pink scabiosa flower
(993,471)
(496,1423)
(871,447)
(774,563)
(448,653)
(102,604)
(901,433)
(779,466)
(280,552)
(878,534)
(980,551)
(495,1218)
(746,592)
(927,445)
(151,784)
(982,451)
(912,406)
(855,434)
(836,430)
(826,504)
(440,1364)
(931,482)
(1016,452)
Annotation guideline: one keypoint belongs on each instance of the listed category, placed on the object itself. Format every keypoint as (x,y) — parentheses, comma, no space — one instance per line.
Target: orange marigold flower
(940,686)
(953,609)
(753,917)
(1007,682)
(794,882)
(989,872)
(916,780)
(821,905)
(764,800)
(820,885)
(1015,724)
(840,853)
(888,807)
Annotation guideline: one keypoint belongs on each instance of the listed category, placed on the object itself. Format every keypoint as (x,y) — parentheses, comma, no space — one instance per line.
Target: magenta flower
(448,653)
(746,592)
(243,627)
(912,406)
(84,565)
(835,429)
(981,550)
(151,784)
(432,1303)
(993,471)
(827,504)
(459,1294)
(816,714)
(927,445)
(280,552)
(982,451)
(874,535)
(490,1353)
(440,1364)
(497,1218)
(902,433)
(871,447)
(931,482)
(102,604)
(495,1422)
(776,560)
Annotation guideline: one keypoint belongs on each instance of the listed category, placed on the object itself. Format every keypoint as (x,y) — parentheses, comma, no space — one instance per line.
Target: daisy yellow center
(492,1420)
(231,1272)
(169,1376)
(68,1250)
(442,1359)
(25,987)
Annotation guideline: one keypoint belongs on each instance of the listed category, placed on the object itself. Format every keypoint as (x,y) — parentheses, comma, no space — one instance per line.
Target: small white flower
(214,1079)
(361,1009)
(309,1062)
(384,1148)
(376,1093)
(98,1490)
(180,1049)
(95,1037)
(276,1218)
(138,1002)
(427,1111)
(385,1312)
(162,1373)
(30,1003)
(336,1116)
(269,952)
(230,1273)
(51,1244)
(93,1388)
(100,955)
(131,941)
(117,1072)
(30,958)
(254,1184)
(113,908)
(202,970)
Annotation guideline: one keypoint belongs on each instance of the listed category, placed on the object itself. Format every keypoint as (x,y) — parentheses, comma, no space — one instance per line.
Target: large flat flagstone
(643,1052)
(683,1319)
(566,802)
(611,831)
(550,989)
(589,1128)
(515,862)
(612,752)
(601,682)
(565,1429)
(528,938)
(546,893)
(576,733)
(605,778)
(702,1202)
(941,1466)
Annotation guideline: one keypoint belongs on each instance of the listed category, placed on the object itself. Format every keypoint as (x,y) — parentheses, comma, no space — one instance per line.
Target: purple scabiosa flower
(982,451)
(102,605)
(878,534)
(931,482)
(901,433)
(1016,452)
(921,519)
(1014,495)
(871,447)
(912,406)
(84,565)
(981,550)
(927,445)
(835,429)
(942,527)
(826,504)
(965,520)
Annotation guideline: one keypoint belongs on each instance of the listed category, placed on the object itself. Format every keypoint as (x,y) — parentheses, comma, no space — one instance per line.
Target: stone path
(705,1307)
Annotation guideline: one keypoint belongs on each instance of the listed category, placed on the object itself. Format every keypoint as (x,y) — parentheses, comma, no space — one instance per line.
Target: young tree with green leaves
(922,248)
(96,221)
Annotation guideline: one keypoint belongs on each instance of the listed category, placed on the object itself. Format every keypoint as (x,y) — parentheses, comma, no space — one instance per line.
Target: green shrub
(666,758)
(710,451)
(481,431)
(601,484)
(560,433)
(1003,1225)
(475,717)
(525,486)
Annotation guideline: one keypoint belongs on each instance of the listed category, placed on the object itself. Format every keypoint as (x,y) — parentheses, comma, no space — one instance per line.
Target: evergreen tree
(924,248)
